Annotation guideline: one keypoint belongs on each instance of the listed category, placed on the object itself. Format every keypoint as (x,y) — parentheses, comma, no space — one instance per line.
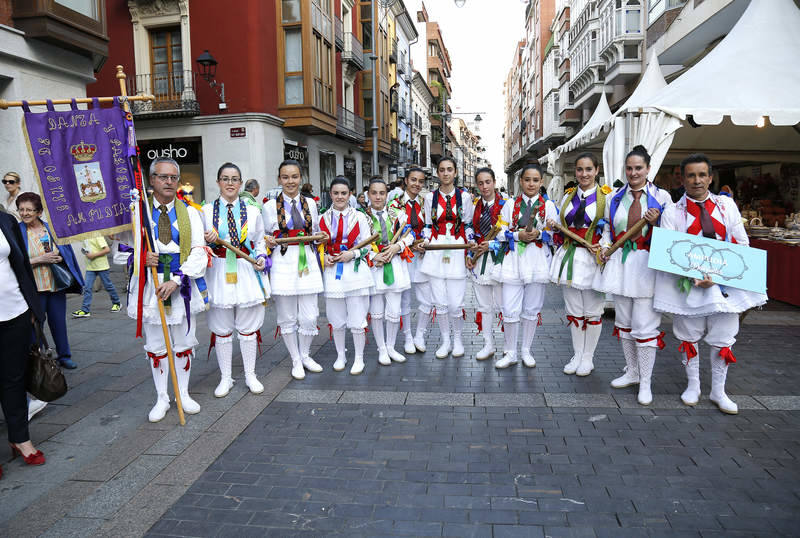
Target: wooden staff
(6,104)
(634,231)
(239,253)
(572,235)
(399,237)
(491,235)
(453,246)
(366,242)
(299,239)
(153,272)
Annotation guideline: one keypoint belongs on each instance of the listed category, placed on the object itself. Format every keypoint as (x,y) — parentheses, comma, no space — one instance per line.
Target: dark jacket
(65,251)
(20,263)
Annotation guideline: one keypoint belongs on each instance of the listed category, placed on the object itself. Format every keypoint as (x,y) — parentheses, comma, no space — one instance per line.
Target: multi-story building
(296,81)
(405,34)
(467,150)
(515,150)
(50,50)
(421,102)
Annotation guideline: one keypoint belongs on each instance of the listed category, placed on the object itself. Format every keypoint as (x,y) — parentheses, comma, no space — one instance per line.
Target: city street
(430,447)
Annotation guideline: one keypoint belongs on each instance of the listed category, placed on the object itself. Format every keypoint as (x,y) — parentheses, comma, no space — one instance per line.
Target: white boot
(719,372)
(591,335)
(647,359)
(190,407)
(631,372)
(528,332)
(305,352)
(341,351)
(359,341)
(444,328)
(408,346)
(224,351)
(380,341)
(290,341)
(249,349)
(510,331)
(160,379)
(391,337)
(692,393)
(458,342)
(488,338)
(423,320)
(577,349)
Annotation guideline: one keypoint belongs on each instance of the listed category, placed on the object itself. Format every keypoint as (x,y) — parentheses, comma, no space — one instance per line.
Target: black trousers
(15,341)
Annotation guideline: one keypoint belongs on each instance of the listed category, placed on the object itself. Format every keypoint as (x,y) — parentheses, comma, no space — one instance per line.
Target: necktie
(485,223)
(448,214)
(527,213)
(232,233)
(297,218)
(164,225)
(580,214)
(340,231)
(384,233)
(706,222)
(635,211)
(414,215)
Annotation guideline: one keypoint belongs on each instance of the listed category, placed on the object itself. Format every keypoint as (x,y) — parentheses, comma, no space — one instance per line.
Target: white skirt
(632,279)
(445,263)
(701,301)
(402,280)
(176,313)
(532,266)
(584,268)
(245,292)
(414,272)
(285,278)
(352,284)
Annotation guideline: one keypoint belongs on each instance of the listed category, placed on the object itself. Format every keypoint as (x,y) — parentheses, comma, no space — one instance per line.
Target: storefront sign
(182,152)
(298,153)
(238,132)
(727,264)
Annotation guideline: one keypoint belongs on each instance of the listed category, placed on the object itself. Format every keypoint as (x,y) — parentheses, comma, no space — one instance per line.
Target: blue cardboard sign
(728,264)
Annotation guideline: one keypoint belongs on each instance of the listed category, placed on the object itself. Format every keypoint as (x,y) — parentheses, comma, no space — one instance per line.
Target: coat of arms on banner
(87,172)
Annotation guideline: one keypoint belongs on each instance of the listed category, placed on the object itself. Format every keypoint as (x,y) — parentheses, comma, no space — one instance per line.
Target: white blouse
(13,303)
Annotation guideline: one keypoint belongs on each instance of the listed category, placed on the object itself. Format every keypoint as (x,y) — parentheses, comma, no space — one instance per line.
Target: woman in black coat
(20,305)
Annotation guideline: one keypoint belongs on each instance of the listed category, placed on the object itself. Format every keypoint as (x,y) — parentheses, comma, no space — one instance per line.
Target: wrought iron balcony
(174,94)
(338,31)
(395,149)
(353,53)
(350,125)
(393,51)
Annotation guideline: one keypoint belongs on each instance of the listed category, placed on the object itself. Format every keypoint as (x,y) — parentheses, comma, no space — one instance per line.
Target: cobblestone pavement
(429,447)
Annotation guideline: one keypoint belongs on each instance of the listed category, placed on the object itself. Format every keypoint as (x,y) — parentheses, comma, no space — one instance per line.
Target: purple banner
(81,160)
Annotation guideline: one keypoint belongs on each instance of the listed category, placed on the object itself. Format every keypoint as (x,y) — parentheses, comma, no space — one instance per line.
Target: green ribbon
(388,274)
(230,267)
(685,284)
(302,262)
(568,259)
(627,248)
(166,261)
(483,264)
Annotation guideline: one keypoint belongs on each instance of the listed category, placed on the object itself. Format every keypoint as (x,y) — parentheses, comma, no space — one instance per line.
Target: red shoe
(37,458)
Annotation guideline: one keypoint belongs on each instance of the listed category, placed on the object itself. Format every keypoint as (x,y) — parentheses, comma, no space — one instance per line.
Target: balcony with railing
(352,53)
(621,37)
(393,51)
(395,154)
(174,94)
(338,33)
(567,113)
(587,71)
(350,125)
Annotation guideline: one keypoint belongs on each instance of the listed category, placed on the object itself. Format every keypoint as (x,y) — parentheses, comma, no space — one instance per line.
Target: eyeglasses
(229,180)
(9,181)
(167,178)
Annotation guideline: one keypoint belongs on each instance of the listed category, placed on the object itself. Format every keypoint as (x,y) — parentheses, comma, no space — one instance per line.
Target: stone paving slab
(579,400)
(780,403)
(510,400)
(373,397)
(309,396)
(440,398)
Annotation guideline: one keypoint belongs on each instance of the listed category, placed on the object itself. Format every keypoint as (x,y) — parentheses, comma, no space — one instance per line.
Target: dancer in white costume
(448,220)
(295,277)
(389,272)
(181,262)
(574,267)
(524,270)
(237,291)
(348,279)
(700,307)
(481,262)
(626,275)
(411,204)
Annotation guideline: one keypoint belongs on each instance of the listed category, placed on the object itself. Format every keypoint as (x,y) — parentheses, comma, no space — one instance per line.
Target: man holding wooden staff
(237,288)
(181,262)
(295,275)
(632,212)
(480,262)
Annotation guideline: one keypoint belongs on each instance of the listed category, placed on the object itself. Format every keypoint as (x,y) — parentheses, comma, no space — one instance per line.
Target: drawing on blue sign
(707,260)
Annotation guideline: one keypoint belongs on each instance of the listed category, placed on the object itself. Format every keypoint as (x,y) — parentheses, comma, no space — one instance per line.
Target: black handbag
(44,378)
(64,279)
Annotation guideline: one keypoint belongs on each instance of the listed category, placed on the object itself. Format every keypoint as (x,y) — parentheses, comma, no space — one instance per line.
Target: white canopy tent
(750,78)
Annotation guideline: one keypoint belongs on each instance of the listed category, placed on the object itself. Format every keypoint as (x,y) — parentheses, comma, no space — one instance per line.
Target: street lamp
(207,67)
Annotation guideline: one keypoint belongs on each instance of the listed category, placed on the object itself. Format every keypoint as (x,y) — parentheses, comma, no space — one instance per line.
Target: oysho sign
(183,152)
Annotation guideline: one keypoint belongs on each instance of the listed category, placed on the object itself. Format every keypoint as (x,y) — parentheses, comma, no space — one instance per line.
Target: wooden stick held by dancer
(634,231)
(298,239)
(236,251)
(453,246)
(154,275)
(573,236)
(366,242)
